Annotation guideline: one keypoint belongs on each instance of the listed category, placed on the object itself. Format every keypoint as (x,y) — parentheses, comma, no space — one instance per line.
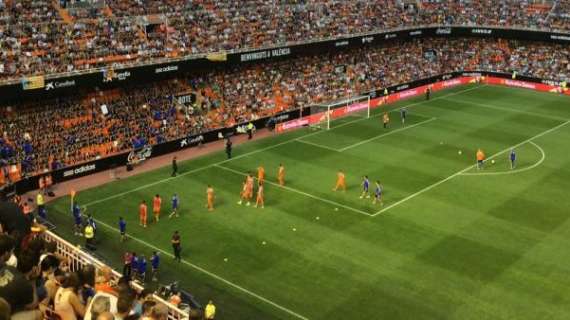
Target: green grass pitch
(449,242)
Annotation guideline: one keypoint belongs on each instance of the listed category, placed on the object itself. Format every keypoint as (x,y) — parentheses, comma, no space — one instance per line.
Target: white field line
(118,195)
(317,145)
(488,106)
(301,193)
(542,158)
(395,204)
(213,275)
(385,134)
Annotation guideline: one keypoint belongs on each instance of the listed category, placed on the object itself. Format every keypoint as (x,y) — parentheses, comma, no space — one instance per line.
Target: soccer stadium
(286,159)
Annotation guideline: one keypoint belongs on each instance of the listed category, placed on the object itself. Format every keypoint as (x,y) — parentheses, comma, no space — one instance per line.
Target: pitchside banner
(374,103)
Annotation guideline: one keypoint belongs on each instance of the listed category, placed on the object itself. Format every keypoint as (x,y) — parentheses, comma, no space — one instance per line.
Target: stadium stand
(45,37)
(36,266)
(148,114)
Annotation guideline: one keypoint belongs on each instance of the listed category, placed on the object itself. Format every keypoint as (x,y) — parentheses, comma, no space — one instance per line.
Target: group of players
(378,190)
(246,195)
(156,210)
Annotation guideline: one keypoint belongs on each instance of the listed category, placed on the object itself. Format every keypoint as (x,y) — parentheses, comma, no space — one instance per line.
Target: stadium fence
(77,259)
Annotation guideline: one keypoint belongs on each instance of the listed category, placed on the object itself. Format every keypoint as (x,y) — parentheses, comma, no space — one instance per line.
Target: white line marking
(213,275)
(467,169)
(118,195)
(301,192)
(385,134)
(317,145)
(488,106)
(498,173)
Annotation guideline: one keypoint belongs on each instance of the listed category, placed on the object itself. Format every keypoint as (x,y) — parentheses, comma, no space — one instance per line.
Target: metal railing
(77,259)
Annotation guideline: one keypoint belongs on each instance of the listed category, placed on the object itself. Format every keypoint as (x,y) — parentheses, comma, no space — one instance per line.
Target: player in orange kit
(480,159)
(249,189)
(260,200)
(142,214)
(210,194)
(281,175)
(156,203)
(340,181)
(261,174)
(243,193)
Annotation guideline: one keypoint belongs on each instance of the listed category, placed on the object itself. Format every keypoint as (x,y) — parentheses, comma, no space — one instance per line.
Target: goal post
(358,106)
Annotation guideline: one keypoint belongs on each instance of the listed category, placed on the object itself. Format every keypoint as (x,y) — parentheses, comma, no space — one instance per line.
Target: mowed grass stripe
(452,261)
(466,169)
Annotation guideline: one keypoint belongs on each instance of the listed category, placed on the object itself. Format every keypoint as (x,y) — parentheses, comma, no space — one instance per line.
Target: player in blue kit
(142,268)
(175,203)
(135,265)
(513,158)
(154,262)
(365,187)
(77,218)
(378,193)
(123,229)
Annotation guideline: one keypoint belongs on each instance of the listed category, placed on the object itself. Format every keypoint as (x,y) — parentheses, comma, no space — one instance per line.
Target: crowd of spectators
(46,135)
(36,282)
(39,37)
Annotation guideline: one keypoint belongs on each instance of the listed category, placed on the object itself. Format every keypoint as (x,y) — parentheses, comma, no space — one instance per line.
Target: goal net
(358,106)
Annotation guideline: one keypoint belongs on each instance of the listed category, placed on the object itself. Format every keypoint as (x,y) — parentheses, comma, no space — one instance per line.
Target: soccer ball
(459,152)
(492,161)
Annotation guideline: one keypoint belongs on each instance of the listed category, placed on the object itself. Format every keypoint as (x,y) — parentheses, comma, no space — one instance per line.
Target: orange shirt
(281,171)
(260,173)
(210,192)
(480,155)
(156,203)
(385,117)
(142,210)
(340,177)
(249,183)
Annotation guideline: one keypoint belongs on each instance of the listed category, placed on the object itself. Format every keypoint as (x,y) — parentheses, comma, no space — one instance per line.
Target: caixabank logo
(59,84)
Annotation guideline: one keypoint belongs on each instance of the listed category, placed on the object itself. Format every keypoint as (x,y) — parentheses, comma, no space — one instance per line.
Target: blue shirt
(142,265)
(174,202)
(513,156)
(135,263)
(365,184)
(378,190)
(122,225)
(77,214)
(154,261)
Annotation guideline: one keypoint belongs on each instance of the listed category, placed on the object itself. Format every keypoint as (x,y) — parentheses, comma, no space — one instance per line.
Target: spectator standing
(67,304)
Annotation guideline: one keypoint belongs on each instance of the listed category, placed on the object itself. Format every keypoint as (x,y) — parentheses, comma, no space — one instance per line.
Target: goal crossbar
(341,108)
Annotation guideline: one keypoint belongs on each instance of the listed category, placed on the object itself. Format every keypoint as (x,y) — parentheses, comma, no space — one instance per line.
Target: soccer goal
(358,106)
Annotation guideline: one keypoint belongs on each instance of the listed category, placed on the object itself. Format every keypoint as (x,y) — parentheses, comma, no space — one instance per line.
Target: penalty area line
(211,274)
(395,204)
(302,193)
